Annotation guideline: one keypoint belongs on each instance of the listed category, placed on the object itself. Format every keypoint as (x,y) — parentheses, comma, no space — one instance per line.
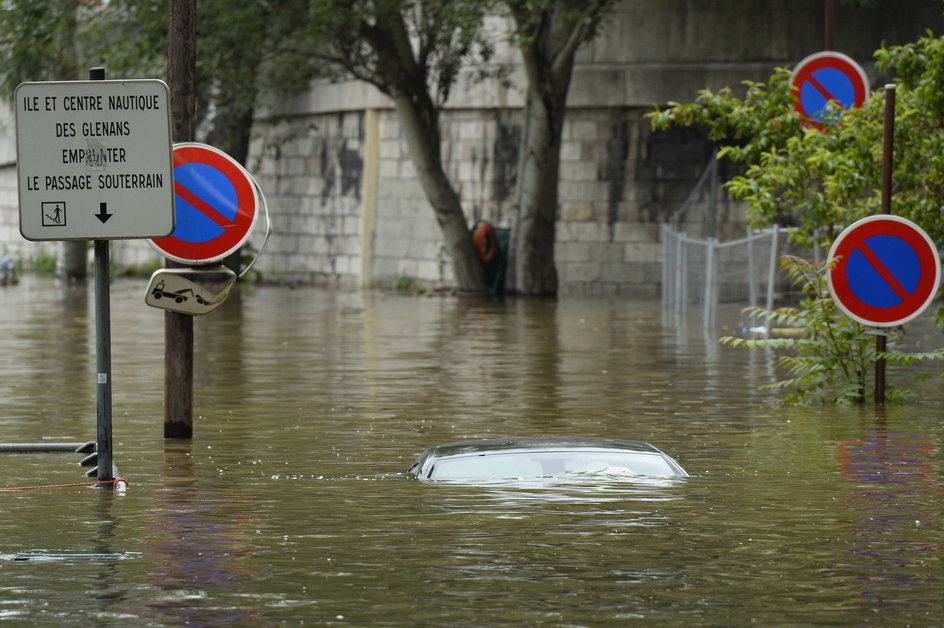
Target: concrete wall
(347,209)
(11,242)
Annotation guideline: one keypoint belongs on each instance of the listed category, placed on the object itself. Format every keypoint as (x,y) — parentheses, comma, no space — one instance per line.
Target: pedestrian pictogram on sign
(885,270)
(216,204)
(826,77)
(54,214)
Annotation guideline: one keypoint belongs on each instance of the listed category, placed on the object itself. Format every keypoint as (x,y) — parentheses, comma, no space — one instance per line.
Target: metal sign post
(884,269)
(888,147)
(103,360)
(103,344)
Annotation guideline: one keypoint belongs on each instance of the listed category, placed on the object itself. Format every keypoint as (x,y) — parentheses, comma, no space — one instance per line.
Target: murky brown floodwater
(289,506)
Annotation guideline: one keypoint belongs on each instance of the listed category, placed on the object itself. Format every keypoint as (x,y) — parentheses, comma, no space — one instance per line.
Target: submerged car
(535,457)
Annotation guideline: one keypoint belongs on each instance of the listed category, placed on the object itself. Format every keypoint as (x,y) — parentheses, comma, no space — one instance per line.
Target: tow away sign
(885,270)
(828,77)
(94,160)
(217,204)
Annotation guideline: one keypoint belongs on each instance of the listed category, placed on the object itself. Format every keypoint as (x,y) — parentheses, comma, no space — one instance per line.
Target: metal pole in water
(103,359)
(772,267)
(103,344)
(887,161)
(711,283)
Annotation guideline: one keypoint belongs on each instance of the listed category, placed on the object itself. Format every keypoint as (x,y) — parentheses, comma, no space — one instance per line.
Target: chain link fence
(702,270)
(707,272)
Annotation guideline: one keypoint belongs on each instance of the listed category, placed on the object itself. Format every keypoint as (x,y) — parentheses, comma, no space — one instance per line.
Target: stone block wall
(311,174)
(617,185)
(11,242)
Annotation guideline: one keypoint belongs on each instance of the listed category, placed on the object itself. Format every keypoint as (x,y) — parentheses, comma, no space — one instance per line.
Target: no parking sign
(216,205)
(887,270)
(826,77)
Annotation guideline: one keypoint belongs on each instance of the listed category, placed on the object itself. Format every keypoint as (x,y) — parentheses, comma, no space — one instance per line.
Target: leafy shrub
(835,356)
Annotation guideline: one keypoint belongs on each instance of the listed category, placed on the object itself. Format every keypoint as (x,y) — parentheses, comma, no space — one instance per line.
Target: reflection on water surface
(292,504)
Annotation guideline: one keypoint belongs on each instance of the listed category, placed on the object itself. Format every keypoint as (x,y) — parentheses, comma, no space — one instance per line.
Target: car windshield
(542,464)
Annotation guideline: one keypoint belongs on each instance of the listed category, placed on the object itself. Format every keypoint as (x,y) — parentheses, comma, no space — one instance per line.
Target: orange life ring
(483,237)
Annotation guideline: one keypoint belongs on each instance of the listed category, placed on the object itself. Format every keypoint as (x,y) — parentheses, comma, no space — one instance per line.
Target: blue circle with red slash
(215,205)
(886,271)
(827,77)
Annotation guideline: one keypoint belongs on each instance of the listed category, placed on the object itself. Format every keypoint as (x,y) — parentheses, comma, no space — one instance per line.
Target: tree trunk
(234,93)
(422,137)
(72,260)
(231,131)
(552,35)
(534,272)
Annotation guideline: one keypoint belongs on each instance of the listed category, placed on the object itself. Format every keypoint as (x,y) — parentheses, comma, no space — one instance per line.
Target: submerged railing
(700,269)
(708,272)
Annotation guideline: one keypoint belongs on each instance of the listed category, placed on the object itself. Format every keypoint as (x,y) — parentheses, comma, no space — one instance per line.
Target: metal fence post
(711,282)
(772,270)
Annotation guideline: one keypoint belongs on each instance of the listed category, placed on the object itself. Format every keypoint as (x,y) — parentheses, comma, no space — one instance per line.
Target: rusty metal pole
(887,163)
(178,328)
(829,25)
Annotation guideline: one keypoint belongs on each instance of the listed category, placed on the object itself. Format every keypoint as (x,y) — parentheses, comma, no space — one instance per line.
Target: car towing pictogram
(179,296)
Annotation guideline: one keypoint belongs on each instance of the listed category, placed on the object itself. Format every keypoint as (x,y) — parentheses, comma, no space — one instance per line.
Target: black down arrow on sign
(103,214)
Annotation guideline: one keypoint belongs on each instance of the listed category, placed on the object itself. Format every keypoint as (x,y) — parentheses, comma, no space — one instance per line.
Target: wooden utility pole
(178,328)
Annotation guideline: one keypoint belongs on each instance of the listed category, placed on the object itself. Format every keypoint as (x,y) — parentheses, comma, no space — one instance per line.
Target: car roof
(526,443)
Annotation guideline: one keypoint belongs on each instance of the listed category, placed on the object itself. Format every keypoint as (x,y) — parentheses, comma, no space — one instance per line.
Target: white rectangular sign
(94,160)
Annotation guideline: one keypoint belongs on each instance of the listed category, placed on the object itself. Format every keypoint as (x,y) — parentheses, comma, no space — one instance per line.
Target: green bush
(45,264)
(819,181)
(834,357)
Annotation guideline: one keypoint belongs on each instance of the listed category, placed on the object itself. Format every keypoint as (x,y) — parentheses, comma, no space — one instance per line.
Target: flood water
(290,506)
